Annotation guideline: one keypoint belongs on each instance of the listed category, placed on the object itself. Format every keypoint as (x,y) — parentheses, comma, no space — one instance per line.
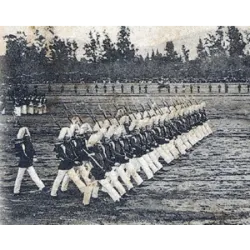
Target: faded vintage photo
(135,125)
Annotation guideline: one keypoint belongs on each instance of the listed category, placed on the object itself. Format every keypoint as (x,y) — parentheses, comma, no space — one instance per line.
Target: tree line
(222,55)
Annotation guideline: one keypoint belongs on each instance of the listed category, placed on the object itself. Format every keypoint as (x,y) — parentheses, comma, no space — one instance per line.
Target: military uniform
(26,153)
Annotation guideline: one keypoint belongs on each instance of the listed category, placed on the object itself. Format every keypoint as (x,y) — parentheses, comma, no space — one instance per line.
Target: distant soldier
(44,104)
(210,87)
(40,106)
(183,88)
(105,88)
(198,88)
(159,89)
(168,88)
(24,105)
(49,88)
(87,89)
(219,88)
(226,88)
(26,153)
(75,88)
(132,89)
(30,105)
(191,88)
(146,88)
(122,88)
(17,107)
(239,88)
(176,89)
(96,88)
(248,88)
(113,88)
(62,88)
(139,88)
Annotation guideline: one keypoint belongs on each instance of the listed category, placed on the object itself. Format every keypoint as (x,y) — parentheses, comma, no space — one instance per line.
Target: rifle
(104,114)
(77,115)
(113,117)
(91,116)
(143,108)
(16,120)
(55,121)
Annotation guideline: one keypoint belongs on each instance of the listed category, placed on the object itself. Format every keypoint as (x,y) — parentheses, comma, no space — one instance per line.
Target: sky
(145,38)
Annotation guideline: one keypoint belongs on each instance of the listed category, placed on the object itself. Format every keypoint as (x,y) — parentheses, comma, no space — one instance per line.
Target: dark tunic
(26,152)
(119,153)
(66,154)
(125,142)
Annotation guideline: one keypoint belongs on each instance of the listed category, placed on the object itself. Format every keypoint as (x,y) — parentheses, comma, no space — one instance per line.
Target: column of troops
(27,102)
(119,153)
(30,105)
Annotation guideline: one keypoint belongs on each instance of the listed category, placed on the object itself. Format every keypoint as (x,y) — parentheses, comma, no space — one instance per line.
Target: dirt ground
(210,185)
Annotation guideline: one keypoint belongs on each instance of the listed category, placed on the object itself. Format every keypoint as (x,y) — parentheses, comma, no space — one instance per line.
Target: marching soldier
(27,155)
(68,160)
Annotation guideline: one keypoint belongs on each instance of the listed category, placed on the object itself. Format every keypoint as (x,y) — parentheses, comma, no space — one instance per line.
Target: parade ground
(209,185)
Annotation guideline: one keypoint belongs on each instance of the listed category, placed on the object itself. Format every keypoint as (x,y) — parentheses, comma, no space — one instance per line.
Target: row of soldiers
(29,104)
(115,154)
(119,153)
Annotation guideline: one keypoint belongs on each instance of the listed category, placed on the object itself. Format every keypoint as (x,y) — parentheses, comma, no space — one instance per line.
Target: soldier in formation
(119,153)
(30,104)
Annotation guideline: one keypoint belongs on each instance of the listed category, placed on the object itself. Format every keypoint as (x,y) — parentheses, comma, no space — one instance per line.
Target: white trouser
(155,158)
(111,191)
(163,154)
(112,176)
(33,176)
(185,141)
(44,109)
(180,146)
(126,180)
(131,168)
(144,166)
(40,110)
(24,109)
(72,175)
(150,163)
(91,189)
(166,149)
(209,130)
(17,111)
(173,149)
(31,110)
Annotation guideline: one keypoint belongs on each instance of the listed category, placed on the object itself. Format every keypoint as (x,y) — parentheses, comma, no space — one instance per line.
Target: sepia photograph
(124,125)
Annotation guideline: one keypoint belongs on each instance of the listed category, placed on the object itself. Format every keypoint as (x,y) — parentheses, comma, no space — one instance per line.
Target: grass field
(210,185)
